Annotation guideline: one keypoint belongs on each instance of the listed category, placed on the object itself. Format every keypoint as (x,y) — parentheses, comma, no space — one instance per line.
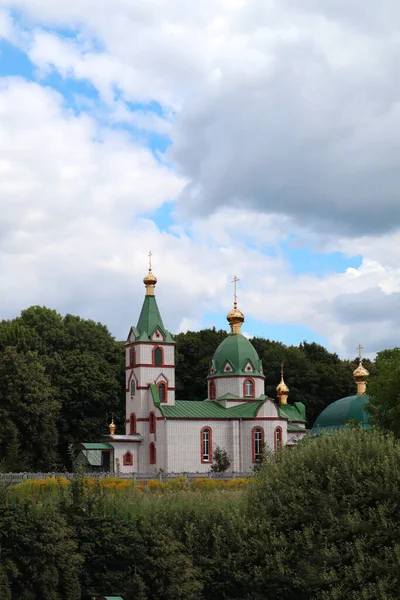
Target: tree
(384,392)
(327,520)
(221,460)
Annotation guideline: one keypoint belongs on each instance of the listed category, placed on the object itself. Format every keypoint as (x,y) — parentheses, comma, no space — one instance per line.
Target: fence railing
(143,477)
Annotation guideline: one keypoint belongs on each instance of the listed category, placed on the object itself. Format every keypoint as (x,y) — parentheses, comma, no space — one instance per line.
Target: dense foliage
(384,392)
(62,377)
(319,523)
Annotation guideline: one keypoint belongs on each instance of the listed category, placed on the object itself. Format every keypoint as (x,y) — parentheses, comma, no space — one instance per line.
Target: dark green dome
(339,413)
(238,352)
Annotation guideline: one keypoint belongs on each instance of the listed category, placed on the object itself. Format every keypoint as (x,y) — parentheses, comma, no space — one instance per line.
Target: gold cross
(234,281)
(282,365)
(150,255)
(359,348)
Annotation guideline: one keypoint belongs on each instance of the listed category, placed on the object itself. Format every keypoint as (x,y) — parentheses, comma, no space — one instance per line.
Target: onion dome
(234,356)
(150,280)
(112,426)
(360,374)
(282,389)
(235,318)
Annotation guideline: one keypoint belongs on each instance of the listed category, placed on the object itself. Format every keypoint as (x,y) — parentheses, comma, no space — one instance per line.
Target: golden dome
(150,279)
(235,317)
(112,426)
(361,372)
(282,387)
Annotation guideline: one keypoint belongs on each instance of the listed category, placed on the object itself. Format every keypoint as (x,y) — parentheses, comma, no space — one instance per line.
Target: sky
(229,137)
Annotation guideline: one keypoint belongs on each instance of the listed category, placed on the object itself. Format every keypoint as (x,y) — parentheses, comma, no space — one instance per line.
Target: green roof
(293,427)
(204,409)
(96,446)
(238,351)
(149,321)
(293,412)
(338,414)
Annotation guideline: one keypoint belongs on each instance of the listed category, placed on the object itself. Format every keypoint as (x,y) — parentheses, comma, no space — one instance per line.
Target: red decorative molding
(253,387)
(152,423)
(210,451)
(165,395)
(132,424)
(128,459)
(253,441)
(148,365)
(153,453)
(154,356)
(278,438)
(212,390)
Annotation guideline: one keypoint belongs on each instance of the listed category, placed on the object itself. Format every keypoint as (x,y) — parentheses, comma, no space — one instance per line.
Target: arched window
(278,438)
(153,453)
(206,445)
(248,388)
(158,358)
(152,422)
(128,459)
(132,357)
(132,424)
(212,391)
(162,392)
(257,443)
(133,386)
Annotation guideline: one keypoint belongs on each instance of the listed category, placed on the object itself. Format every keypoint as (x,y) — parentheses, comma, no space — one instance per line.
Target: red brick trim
(128,388)
(210,453)
(253,395)
(128,459)
(153,453)
(224,419)
(152,423)
(276,431)
(149,365)
(132,424)
(235,376)
(212,390)
(146,387)
(153,356)
(253,441)
(137,342)
(166,391)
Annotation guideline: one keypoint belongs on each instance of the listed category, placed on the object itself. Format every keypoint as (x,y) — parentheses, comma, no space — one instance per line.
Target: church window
(212,391)
(278,438)
(227,368)
(133,387)
(162,392)
(132,424)
(158,357)
(206,444)
(128,459)
(248,388)
(153,453)
(257,443)
(132,357)
(152,422)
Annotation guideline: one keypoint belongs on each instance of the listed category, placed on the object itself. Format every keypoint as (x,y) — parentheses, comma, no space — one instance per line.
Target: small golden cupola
(282,389)
(235,317)
(150,280)
(112,426)
(360,374)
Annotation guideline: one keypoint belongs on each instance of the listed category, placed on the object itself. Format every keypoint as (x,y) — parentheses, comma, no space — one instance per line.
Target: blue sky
(160,141)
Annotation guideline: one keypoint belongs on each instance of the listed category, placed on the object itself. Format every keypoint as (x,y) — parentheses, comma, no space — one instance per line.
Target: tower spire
(282,389)
(150,280)
(235,317)
(360,374)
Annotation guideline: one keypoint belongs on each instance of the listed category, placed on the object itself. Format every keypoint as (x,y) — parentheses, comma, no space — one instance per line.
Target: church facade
(175,436)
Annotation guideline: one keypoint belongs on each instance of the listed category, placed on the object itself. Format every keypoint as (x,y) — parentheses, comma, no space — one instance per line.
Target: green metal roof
(187,409)
(339,413)
(150,320)
(293,427)
(293,412)
(96,446)
(237,350)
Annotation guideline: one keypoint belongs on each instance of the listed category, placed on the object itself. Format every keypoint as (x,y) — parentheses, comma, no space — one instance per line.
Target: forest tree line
(62,377)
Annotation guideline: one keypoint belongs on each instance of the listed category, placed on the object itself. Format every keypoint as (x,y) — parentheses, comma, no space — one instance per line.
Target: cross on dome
(234,281)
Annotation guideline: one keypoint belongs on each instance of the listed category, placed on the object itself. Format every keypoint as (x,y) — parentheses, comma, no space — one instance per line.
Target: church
(176,436)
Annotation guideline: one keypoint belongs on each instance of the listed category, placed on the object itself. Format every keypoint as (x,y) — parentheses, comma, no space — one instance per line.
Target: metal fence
(143,477)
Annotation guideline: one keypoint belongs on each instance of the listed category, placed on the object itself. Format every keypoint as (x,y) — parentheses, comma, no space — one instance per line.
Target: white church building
(177,436)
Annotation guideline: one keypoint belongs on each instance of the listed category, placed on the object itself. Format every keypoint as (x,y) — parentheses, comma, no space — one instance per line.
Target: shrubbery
(320,523)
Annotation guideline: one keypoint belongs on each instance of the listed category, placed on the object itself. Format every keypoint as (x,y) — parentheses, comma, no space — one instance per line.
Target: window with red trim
(206,445)
(158,357)
(153,453)
(248,388)
(212,391)
(133,386)
(132,357)
(278,438)
(128,459)
(132,424)
(152,422)
(162,392)
(257,443)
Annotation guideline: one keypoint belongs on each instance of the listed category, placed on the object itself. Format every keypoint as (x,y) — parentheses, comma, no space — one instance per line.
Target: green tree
(384,392)
(327,520)
(29,412)
(221,460)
